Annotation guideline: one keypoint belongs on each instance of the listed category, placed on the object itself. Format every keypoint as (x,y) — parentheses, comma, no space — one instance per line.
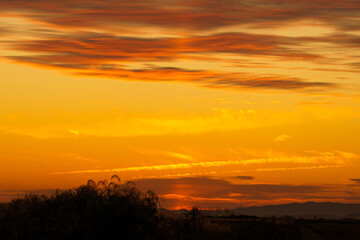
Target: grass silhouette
(92,211)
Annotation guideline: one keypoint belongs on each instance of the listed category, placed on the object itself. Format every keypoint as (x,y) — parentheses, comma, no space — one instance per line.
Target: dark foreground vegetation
(120,211)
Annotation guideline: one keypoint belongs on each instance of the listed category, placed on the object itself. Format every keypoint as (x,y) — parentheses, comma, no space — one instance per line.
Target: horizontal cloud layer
(330,159)
(152,41)
(210,192)
(109,56)
(186,14)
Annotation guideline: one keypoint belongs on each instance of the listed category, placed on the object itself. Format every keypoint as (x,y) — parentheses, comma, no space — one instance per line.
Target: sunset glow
(215,104)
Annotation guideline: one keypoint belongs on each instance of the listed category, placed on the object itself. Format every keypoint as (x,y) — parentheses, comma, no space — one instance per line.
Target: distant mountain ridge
(307,209)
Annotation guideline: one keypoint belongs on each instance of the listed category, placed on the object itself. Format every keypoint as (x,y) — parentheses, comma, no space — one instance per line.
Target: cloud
(281,138)
(107,47)
(75,132)
(245,177)
(118,124)
(315,103)
(332,159)
(211,192)
(201,187)
(157,167)
(150,41)
(204,78)
(185,14)
(179,155)
(295,168)
(354,180)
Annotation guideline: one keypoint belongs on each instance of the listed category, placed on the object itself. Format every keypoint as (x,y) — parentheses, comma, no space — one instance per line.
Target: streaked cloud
(179,155)
(77,133)
(211,192)
(158,167)
(315,103)
(184,14)
(85,56)
(357,180)
(117,124)
(295,168)
(338,158)
(244,177)
(152,41)
(281,138)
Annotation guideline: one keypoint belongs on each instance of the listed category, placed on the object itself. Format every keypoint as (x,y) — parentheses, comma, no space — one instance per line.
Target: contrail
(160,167)
(338,160)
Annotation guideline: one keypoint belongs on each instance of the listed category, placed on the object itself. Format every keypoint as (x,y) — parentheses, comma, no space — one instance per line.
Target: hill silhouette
(307,209)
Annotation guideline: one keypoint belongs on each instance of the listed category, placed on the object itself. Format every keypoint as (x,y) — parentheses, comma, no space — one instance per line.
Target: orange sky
(208,103)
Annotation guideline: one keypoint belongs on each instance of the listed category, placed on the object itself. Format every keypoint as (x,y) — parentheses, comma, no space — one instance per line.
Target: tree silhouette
(95,210)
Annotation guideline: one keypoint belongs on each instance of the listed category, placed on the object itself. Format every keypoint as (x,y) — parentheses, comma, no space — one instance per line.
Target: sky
(209,103)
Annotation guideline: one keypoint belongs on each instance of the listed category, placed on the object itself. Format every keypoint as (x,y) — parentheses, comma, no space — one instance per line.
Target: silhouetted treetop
(95,210)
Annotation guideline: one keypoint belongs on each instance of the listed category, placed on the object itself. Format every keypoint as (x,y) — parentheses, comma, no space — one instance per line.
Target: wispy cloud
(179,155)
(281,138)
(334,158)
(200,15)
(315,103)
(357,180)
(295,168)
(244,177)
(85,56)
(149,41)
(158,167)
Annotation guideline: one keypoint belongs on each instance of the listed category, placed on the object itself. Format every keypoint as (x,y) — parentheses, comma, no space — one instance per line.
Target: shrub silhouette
(92,211)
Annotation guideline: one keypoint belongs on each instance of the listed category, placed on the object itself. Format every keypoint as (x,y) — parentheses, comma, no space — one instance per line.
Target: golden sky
(212,103)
